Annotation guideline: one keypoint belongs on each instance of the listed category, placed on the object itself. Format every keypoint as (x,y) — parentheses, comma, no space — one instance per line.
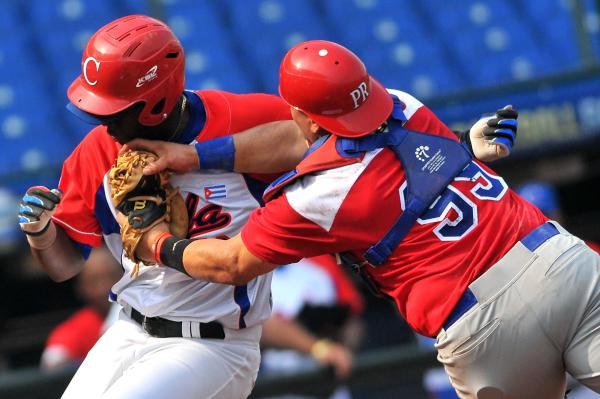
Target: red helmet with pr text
(331,85)
(130,60)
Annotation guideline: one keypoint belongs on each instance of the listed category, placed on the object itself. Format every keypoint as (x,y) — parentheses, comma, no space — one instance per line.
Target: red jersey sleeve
(278,234)
(229,113)
(81,177)
(424,120)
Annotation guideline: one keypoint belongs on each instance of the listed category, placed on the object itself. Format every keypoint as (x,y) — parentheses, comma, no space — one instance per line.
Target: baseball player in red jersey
(511,296)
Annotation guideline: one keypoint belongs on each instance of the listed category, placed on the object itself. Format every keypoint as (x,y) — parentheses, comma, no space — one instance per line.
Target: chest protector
(430,163)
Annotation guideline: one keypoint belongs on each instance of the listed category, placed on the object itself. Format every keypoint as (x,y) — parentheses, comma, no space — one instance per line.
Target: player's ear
(314,127)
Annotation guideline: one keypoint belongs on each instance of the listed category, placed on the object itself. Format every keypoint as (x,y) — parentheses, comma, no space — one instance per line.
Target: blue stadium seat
(69,14)
(11,22)
(211,61)
(29,124)
(412,59)
(266,29)
(129,7)
(62,48)
(592,25)
(367,23)
(35,141)
(491,42)
(395,42)
(554,21)
(496,42)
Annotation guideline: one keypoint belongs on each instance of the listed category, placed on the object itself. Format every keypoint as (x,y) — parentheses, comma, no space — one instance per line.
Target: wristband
(465,140)
(216,153)
(158,244)
(43,239)
(168,251)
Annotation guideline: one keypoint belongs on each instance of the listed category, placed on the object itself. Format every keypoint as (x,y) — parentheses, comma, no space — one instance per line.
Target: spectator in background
(315,319)
(546,198)
(70,341)
(9,234)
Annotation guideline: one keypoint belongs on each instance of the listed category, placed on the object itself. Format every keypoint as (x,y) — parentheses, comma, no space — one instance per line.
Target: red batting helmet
(331,85)
(130,60)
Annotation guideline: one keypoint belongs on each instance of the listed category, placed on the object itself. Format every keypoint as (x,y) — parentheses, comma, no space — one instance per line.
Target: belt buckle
(146,326)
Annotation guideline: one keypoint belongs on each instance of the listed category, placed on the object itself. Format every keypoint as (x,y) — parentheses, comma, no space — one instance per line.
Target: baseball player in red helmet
(176,337)
(511,296)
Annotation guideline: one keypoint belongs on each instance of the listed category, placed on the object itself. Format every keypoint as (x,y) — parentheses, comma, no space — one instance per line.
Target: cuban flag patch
(214,192)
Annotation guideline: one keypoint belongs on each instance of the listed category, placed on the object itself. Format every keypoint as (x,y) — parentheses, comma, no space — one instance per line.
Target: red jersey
(83,212)
(78,334)
(350,207)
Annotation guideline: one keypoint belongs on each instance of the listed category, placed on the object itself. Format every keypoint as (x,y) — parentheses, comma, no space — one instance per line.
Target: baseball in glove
(145,200)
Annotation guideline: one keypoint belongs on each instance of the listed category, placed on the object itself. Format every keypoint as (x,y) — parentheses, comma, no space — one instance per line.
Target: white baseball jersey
(219,204)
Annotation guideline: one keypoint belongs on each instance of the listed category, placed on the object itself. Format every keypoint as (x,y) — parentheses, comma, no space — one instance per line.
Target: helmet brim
(90,118)
(92,103)
(364,120)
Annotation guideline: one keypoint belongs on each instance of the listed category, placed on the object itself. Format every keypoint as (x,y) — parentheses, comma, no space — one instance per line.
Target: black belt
(531,241)
(163,328)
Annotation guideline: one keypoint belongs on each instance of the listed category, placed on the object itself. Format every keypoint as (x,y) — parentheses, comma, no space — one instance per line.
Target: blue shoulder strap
(430,163)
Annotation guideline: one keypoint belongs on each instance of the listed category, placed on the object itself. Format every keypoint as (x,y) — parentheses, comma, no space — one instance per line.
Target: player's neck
(183,117)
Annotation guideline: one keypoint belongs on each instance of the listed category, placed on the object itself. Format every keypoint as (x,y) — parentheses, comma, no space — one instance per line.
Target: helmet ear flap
(158,107)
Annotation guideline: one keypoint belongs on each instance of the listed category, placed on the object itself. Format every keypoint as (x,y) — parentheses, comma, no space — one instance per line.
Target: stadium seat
(554,22)
(128,7)
(368,23)
(266,29)
(416,66)
(211,61)
(11,22)
(65,14)
(35,141)
(592,25)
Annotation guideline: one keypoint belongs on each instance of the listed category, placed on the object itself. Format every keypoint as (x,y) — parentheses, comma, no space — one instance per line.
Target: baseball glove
(145,200)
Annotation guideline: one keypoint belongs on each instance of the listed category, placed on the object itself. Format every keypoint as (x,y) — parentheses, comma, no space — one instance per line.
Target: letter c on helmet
(85,63)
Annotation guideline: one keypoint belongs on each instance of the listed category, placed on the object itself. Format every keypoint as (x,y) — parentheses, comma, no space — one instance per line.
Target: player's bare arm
(279,146)
(61,261)
(49,243)
(269,148)
(217,261)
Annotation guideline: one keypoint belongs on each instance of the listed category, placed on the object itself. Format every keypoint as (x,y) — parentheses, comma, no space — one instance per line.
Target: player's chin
(121,138)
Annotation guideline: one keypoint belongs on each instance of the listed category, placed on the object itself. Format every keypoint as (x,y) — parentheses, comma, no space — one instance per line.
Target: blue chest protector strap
(430,163)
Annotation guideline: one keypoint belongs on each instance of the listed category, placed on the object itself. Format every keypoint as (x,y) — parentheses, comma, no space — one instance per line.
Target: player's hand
(332,354)
(492,137)
(36,209)
(178,158)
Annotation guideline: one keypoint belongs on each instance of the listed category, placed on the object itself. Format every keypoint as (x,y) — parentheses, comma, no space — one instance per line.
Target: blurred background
(461,58)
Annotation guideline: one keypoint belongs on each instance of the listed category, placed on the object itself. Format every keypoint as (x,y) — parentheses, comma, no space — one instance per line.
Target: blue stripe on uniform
(240,295)
(108,223)
(256,188)
(83,249)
